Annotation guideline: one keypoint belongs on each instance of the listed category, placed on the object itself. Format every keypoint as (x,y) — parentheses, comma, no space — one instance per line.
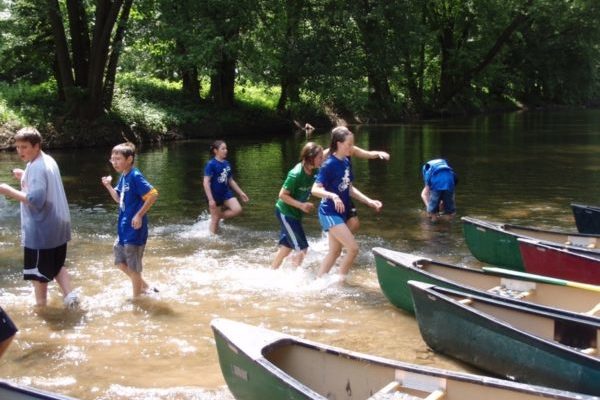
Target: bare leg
(5,343)
(64,281)
(215,217)
(233,208)
(341,236)
(335,249)
(353,224)
(298,258)
(138,283)
(41,293)
(282,253)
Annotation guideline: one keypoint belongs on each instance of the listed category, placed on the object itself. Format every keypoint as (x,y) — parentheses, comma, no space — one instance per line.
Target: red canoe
(558,262)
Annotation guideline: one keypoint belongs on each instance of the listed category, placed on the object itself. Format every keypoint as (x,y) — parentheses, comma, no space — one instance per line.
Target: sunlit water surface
(520,168)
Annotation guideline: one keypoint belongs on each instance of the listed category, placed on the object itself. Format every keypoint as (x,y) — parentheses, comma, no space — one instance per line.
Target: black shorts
(7,327)
(351,212)
(43,265)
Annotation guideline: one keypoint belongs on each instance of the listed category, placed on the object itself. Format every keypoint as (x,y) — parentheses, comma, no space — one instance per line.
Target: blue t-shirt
(336,176)
(438,175)
(132,188)
(220,173)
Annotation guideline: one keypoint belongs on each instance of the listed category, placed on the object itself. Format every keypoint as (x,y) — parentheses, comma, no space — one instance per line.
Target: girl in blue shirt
(334,186)
(218,182)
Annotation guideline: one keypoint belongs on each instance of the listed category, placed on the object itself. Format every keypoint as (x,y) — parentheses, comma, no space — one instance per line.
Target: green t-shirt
(298,183)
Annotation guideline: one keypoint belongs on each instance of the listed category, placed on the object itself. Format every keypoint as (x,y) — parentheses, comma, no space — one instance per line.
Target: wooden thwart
(436,395)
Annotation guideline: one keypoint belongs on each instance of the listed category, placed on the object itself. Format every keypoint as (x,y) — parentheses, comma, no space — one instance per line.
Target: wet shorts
(437,196)
(43,264)
(130,255)
(292,234)
(7,327)
(329,221)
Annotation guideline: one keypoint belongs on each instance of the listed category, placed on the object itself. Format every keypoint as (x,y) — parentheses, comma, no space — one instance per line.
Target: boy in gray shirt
(45,218)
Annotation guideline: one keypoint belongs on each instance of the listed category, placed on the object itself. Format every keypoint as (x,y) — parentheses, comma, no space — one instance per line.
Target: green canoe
(496,243)
(516,342)
(261,364)
(12,391)
(395,269)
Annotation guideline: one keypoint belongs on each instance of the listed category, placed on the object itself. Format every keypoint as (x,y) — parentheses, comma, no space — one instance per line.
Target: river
(521,167)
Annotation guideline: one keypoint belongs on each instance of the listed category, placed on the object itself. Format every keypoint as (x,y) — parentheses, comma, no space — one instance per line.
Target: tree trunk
(106,15)
(289,57)
(113,61)
(190,84)
(63,62)
(374,45)
(80,41)
(223,82)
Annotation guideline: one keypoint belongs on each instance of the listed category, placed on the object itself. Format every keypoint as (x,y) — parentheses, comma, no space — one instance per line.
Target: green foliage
(373,59)
(27,103)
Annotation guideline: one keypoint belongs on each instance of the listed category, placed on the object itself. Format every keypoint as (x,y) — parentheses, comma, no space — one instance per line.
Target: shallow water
(520,168)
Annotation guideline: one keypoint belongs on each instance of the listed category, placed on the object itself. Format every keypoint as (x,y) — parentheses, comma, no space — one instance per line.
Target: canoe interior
(13,392)
(549,295)
(338,376)
(590,242)
(582,336)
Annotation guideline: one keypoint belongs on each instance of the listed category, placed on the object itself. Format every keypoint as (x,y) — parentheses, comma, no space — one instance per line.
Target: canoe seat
(589,350)
(594,310)
(436,395)
(389,389)
(465,302)
(511,293)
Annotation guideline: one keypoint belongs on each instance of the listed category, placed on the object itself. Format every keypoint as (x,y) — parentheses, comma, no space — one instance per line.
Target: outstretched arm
(358,195)
(369,154)
(9,191)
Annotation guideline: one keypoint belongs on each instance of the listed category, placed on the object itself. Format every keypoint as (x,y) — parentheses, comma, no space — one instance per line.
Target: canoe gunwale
(445,293)
(282,339)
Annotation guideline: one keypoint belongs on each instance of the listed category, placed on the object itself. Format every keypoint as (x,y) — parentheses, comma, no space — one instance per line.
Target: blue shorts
(292,234)
(329,221)
(220,200)
(437,196)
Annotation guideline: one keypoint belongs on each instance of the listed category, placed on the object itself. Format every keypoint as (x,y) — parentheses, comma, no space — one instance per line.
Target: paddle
(541,278)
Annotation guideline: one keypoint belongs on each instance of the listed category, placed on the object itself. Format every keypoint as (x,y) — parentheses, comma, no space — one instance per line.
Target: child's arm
(9,191)
(208,192)
(285,196)
(369,154)
(149,200)
(319,190)
(425,195)
(238,190)
(107,182)
(358,195)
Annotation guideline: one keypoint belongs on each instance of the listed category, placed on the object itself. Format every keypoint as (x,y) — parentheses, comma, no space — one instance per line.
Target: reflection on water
(523,168)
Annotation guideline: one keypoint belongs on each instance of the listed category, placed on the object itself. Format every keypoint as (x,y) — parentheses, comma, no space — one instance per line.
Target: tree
(86,70)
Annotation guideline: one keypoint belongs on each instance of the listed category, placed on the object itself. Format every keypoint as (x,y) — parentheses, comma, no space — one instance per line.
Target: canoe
(587,218)
(544,259)
(508,340)
(12,391)
(496,243)
(260,364)
(395,269)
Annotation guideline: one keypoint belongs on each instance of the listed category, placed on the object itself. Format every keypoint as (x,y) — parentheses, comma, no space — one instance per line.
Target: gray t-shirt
(45,218)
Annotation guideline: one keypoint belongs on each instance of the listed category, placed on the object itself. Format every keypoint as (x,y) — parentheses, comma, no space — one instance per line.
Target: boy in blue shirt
(438,193)
(135,196)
